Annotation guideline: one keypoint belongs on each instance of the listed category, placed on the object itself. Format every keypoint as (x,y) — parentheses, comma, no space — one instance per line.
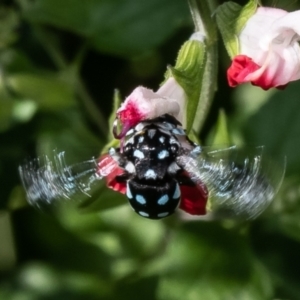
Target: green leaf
(277,125)
(9,21)
(286,209)
(6,111)
(231,18)
(188,72)
(49,92)
(67,132)
(197,264)
(101,199)
(125,28)
(246,12)
(13,61)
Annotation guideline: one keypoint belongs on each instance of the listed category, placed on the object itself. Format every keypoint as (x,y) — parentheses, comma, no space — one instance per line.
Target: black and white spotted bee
(160,169)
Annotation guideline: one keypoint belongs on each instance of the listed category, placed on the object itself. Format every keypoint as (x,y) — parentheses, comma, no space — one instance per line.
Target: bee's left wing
(239,186)
(47,179)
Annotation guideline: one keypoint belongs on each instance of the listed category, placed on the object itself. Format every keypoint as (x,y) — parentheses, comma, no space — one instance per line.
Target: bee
(160,170)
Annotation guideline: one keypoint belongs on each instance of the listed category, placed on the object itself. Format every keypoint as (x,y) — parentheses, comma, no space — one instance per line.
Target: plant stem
(201,11)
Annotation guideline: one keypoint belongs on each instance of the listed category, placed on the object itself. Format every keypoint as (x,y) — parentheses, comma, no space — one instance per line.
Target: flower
(269,50)
(143,104)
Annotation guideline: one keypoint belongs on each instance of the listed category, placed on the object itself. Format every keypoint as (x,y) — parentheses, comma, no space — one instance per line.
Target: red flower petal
(194,199)
(240,68)
(109,168)
(117,186)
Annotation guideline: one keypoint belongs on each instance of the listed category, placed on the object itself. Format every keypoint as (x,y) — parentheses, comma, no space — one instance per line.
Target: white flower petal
(256,28)
(149,104)
(172,90)
(143,103)
(270,38)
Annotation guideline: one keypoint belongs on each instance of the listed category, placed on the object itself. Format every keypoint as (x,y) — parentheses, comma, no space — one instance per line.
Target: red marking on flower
(129,117)
(194,199)
(240,68)
(243,69)
(266,82)
(131,114)
(109,168)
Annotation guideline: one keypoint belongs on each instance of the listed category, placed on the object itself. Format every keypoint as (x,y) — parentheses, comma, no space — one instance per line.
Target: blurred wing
(45,180)
(238,186)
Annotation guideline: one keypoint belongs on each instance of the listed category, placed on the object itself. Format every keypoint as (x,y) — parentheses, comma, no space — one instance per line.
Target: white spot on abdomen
(140,199)
(163,200)
(128,192)
(161,215)
(143,214)
(177,192)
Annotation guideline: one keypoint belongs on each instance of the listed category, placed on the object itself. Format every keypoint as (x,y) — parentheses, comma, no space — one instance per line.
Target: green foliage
(277,126)
(60,62)
(231,18)
(112,26)
(188,72)
(220,134)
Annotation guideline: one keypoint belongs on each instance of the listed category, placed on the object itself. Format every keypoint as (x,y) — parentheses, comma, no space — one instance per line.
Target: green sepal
(112,141)
(188,72)
(231,19)
(220,134)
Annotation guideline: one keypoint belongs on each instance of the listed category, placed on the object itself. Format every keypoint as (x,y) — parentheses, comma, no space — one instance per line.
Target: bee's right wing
(239,185)
(47,179)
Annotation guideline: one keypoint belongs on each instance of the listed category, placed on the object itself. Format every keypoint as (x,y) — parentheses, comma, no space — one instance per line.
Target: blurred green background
(60,62)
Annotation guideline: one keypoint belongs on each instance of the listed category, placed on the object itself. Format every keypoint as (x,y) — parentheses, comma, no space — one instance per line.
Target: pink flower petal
(270,43)
(143,104)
